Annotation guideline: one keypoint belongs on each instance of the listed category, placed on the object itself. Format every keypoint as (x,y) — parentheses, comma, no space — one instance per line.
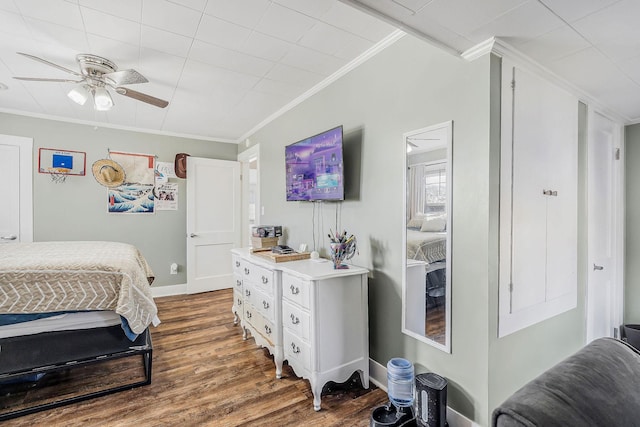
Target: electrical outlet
(173,269)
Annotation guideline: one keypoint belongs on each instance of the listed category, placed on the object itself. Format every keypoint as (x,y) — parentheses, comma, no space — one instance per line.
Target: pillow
(415,224)
(435,224)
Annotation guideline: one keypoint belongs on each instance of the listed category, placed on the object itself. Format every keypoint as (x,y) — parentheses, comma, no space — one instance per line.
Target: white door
(251,211)
(213,222)
(16,169)
(603,290)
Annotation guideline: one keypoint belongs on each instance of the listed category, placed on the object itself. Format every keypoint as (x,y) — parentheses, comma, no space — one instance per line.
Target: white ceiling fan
(95,76)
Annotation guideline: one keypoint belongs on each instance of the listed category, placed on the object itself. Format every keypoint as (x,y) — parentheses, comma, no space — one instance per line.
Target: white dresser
(257,303)
(321,317)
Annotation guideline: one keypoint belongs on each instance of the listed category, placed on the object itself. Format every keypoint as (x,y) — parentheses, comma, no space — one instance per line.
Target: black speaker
(431,400)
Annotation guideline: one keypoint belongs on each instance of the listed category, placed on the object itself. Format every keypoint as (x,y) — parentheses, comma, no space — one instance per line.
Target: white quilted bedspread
(67,276)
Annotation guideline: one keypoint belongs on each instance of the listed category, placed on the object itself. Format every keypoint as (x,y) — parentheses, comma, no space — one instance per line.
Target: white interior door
(251,210)
(16,169)
(213,222)
(603,290)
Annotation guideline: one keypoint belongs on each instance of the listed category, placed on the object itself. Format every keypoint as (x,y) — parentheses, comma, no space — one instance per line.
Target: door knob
(597,267)
(192,235)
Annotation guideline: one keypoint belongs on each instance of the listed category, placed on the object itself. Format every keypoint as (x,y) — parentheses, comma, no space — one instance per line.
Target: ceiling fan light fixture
(79,94)
(102,99)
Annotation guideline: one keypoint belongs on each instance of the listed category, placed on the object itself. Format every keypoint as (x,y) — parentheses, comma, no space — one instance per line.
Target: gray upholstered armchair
(597,386)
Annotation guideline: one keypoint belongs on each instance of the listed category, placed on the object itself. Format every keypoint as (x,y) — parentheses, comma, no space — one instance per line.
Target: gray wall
(77,209)
(632,225)
(408,86)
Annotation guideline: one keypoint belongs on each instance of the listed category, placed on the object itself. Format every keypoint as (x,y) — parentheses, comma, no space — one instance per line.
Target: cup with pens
(343,248)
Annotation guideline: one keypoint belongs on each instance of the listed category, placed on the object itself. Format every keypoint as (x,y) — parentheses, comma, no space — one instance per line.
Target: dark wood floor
(204,374)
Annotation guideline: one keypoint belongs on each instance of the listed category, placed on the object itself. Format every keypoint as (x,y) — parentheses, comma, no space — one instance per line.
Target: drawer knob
(267,329)
(294,319)
(246,270)
(265,280)
(247,292)
(237,263)
(265,304)
(295,348)
(248,314)
(294,290)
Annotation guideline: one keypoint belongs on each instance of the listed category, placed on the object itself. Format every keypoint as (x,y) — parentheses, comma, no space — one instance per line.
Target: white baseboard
(378,376)
(166,291)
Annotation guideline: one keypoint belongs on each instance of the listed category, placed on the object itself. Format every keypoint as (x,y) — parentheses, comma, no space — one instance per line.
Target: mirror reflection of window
(435,188)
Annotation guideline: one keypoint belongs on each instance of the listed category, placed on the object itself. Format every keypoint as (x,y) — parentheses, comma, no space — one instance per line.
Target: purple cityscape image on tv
(314,167)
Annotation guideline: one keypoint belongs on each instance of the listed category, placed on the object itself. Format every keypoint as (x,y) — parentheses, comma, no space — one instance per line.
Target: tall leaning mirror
(426,282)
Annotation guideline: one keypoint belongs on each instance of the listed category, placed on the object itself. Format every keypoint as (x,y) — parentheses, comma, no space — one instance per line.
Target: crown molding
(113,126)
(500,48)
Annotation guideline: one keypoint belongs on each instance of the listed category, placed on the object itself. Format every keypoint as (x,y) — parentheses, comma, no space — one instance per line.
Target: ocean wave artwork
(131,198)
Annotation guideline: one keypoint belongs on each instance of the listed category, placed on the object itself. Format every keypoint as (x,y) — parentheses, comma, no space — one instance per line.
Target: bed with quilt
(66,306)
(427,239)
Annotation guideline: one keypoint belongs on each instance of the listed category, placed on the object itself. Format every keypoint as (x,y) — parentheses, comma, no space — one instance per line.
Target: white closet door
(16,215)
(538,202)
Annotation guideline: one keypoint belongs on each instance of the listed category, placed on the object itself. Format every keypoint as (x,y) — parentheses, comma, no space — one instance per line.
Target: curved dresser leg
(364,378)
(278,358)
(317,390)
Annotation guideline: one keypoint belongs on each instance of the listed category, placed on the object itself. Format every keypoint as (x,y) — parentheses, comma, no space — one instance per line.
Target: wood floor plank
(205,374)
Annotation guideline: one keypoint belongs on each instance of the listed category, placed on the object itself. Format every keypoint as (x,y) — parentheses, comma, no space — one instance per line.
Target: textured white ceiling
(226,66)
(223,65)
(594,45)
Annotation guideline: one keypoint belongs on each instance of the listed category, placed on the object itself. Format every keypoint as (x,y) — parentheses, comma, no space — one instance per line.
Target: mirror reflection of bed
(426,285)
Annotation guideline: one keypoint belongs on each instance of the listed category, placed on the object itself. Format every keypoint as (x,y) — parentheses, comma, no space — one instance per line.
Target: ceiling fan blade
(125,77)
(38,79)
(51,64)
(142,97)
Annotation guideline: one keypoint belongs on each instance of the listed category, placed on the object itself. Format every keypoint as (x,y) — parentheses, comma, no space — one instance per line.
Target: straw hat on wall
(108,173)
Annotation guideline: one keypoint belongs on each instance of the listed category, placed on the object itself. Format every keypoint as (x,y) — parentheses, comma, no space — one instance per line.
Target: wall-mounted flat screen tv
(315,167)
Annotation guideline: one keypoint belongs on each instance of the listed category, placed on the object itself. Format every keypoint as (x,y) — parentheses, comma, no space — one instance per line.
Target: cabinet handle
(247,292)
(237,263)
(295,348)
(239,301)
(265,304)
(246,270)
(265,280)
(294,319)
(238,283)
(11,237)
(597,267)
(248,314)
(267,329)
(294,290)
(550,193)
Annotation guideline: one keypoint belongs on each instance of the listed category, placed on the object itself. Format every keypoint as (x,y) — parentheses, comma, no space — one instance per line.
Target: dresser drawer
(237,300)
(296,319)
(237,264)
(264,303)
(259,324)
(258,275)
(237,283)
(297,351)
(296,290)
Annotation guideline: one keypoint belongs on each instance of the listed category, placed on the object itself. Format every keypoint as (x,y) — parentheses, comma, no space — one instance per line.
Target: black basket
(631,334)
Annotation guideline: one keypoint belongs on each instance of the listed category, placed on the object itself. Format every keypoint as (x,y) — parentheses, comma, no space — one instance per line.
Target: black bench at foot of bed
(41,371)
